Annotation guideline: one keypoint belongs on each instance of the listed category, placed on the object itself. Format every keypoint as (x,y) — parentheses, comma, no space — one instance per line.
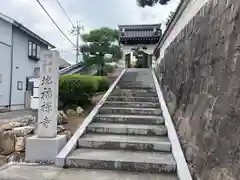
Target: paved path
(23,171)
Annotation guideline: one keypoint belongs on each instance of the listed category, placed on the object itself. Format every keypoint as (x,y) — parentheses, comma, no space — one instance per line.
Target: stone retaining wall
(201,70)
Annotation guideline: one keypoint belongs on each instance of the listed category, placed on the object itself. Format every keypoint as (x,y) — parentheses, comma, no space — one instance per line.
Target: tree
(99,42)
(143,3)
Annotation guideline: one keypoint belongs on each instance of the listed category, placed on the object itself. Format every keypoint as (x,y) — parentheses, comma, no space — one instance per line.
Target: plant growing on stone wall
(143,3)
(169,19)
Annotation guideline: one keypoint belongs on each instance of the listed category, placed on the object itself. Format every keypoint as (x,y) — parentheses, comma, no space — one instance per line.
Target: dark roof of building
(26,30)
(63,63)
(140,31)
(139,26)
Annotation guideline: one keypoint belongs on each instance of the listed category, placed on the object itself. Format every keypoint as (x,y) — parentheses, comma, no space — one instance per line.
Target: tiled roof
(139,26)
(140,31)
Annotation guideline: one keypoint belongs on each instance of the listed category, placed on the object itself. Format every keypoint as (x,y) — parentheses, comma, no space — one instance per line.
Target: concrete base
(44,149)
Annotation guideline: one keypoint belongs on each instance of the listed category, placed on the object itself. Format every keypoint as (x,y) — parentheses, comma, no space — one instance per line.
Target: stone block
(135,143)
(129,129)
(44,149)
(130,111)
(134,94)
(131,104)
(155,162)
(129,119)
(132,99)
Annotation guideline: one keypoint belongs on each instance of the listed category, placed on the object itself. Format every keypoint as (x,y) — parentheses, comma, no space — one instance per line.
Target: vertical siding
(5,32)
(5,70)
(5,60)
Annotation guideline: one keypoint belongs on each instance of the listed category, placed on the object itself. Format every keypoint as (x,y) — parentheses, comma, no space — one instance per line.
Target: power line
(55,23)
(69,19)
(76,29)
(64,12)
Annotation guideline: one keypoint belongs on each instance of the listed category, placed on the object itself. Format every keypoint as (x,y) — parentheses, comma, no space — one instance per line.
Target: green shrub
(77,89)
(102,83)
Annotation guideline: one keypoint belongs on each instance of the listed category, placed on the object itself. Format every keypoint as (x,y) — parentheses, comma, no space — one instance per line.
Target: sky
(92,14)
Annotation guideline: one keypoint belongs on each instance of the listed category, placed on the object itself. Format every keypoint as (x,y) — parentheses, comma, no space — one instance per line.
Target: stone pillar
(46,144)
(127,60)
(48,95)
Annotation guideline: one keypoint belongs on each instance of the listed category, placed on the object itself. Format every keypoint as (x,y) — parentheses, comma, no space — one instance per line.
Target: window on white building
(33,50)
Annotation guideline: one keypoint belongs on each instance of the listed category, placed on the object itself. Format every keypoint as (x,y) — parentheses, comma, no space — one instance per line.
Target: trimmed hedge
(102,83)
(76,89)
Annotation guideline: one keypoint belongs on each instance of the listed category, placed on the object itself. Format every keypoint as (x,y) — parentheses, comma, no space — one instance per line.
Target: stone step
(130,119)
(133,94)
(132,99)
(130,111)
(152,90)
(27,171)
(127,129)
(131,104)
(140,143)
(149,162)
(132,86)
(127,80)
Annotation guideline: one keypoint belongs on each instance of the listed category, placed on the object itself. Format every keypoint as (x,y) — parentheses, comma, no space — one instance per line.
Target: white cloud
(93,14)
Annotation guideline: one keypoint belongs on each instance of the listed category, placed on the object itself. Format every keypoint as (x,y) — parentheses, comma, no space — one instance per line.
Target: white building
(20,50)
(143,37)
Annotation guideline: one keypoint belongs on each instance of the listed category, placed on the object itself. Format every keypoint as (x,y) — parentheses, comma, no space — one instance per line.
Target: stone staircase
(128,133)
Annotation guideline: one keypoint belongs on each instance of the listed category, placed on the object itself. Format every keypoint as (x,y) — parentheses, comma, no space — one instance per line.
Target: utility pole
(76,31)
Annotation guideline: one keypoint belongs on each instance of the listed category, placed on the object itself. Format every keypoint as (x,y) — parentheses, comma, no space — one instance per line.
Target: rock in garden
(33,121)
(10,126)
(20,144)
(71,112)
(79,110)
(27,120)
(5,127)
(64,116)
(59,119)
(8,141)
(23,131)
(15,157)
(60,129)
